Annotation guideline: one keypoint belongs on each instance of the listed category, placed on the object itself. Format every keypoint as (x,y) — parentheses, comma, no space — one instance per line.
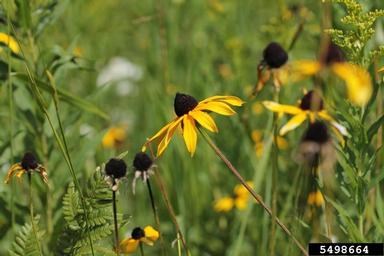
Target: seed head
(311,101)
(317,132)
(29,162)
(142,162)
(274,55)
(334,54)
(137,233)
(116,168)
(184,103)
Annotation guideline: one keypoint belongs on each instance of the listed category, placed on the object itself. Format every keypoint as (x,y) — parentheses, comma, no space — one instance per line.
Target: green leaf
(24,13)
(67,97)
(375,127)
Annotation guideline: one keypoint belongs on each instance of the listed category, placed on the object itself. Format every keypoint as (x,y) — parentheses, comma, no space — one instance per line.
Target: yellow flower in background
(311,107)
(10,42)
(190,113)
(114,137)
(238,200)
(315,198)
(148,235)
(27,164)
(357,80)
(257,137)
(257,108)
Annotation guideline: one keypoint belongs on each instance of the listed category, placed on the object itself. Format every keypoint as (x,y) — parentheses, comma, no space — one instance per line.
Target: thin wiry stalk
(64,150)
(117,249)
(155,215)
(11,111)
(141,249)
(31,212)
(168,204)
(250,190)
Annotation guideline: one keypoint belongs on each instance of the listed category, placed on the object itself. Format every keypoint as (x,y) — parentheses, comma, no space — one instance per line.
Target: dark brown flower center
(312,101)
(116,168)
(29,162)
(317,132)
(334,54)
(274,55)
(137,233)
(142,161)
(184,103)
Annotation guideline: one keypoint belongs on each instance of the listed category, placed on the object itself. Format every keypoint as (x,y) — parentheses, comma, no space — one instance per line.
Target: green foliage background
(202,48)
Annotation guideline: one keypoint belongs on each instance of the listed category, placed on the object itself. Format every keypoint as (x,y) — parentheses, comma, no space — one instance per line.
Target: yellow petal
(232,100)
(341,129)
(10,42)
(319,199)
(224,204)
(189,134)
(128,245)
(257,135)
(357,80)
(167,138)
(381,70)
(276,107)
(151,233)
(15,168)
(217,107)
(293,123)
(281,142)
(204,120)
(241,191)
(305,67)
(241,203)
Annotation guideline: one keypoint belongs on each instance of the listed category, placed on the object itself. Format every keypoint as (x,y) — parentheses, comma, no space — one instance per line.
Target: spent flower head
(143,167)
(28,164)
(191,113)
(115,169)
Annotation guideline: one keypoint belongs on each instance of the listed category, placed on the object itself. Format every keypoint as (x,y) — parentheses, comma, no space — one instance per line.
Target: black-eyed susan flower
(143,167)
(311,107)
(316,148)
(357,79)
(239,199)
(115,169)
(114,137)
(148,236)
(190,113)
(28,164)
(10,42)
(274,57)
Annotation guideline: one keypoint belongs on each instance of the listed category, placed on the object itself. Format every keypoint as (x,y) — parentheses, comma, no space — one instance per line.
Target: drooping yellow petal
(279,108)
(293,123)
(204,120)
(224,204)
(232,100)
(305,67)
(217,107)
(129,245)
(10,42)
(341,129)
(357,80)
(167,138)
(189,134)
(151,233)
(15,168)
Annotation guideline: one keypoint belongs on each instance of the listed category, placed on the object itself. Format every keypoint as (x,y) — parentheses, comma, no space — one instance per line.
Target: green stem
(31,212)
(141,249)
(117,249)
(64,150)
(155,215)
(256,196)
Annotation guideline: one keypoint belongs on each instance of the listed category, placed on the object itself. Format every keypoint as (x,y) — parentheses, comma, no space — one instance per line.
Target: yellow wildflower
(148,235)
(114,137)
(188,112)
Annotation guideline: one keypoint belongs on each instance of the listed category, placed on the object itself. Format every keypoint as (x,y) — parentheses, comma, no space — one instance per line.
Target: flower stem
(256,196)
(31,212)
(155,215)
(141,249)
(117,250)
